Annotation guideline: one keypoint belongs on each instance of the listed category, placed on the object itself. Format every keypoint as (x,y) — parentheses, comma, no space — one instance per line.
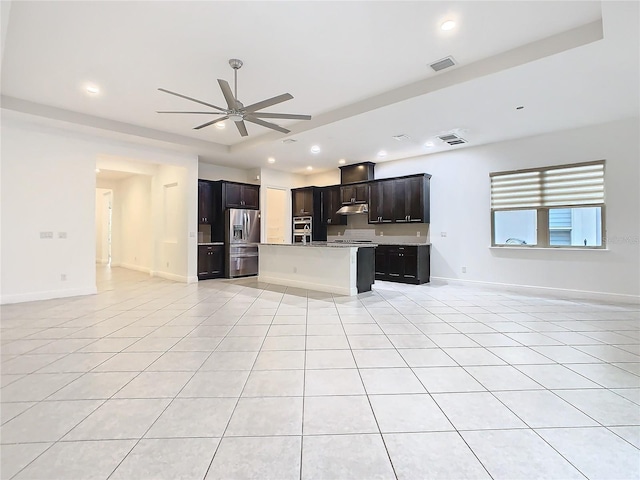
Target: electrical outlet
(443,234)
(417,234)
(464,269)
(295,269)
(63,277)
(62,235)
(46,234)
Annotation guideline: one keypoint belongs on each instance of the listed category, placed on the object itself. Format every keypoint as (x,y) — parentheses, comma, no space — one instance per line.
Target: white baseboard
(192,279)
(131,266)
(307,285)
(172,276)
(46,295)
(556,292)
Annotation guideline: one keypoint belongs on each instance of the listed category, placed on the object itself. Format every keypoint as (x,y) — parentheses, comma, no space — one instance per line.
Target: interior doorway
(276,220)
(104,209)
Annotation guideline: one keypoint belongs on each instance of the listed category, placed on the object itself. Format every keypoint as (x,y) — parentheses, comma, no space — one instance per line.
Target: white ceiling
(361,69)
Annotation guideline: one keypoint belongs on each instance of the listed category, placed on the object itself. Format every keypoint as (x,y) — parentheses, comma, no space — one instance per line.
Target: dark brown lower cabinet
(210,261)
(406,264)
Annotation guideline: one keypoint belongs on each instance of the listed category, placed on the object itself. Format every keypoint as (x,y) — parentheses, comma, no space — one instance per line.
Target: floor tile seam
(599,386)
(557,396)
(224,431)
(56,441)
(542,387)
(375,418)
(156,419)
(304,382)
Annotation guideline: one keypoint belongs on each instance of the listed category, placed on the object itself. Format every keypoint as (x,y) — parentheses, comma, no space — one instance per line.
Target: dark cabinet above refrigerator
(241,195)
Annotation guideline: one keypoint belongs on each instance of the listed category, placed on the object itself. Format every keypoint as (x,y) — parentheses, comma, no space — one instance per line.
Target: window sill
(546,249)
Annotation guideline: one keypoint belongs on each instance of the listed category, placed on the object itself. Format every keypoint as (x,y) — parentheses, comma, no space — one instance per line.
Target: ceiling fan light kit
(236,111)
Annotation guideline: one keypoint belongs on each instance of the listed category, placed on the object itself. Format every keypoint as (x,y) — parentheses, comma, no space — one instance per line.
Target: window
(561,206)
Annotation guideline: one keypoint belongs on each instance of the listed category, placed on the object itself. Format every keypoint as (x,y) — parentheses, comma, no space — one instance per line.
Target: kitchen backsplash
(358,228)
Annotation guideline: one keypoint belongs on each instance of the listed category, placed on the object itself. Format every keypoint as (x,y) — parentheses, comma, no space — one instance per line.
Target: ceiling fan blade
(192,99)
(203,113)
(228,94)
(273,126)
(211,122)
(268,102)
(242,128)
(291,116)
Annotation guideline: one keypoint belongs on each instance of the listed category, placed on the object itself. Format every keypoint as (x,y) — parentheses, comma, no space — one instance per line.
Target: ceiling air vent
(401,137)
(442,64)
(452,139)
(289,140)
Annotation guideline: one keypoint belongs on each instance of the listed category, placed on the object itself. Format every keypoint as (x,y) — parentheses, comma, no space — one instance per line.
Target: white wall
(460,207)
(132,227)
(323,179)
(207,171)
(48,184)
(171,220)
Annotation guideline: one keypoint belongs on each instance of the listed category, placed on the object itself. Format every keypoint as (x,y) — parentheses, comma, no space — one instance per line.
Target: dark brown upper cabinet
(205,202)
(412,199)
(400,200)
(331,202)
(302,202)
(354,193)
(241,195)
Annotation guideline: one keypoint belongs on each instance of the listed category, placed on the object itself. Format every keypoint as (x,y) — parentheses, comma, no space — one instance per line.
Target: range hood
(354,209)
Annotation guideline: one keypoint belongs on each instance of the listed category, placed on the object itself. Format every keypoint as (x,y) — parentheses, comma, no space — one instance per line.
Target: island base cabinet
(406,264)
(365,276)
(210,261)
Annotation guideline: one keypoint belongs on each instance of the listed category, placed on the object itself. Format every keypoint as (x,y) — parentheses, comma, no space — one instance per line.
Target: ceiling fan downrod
(235,64)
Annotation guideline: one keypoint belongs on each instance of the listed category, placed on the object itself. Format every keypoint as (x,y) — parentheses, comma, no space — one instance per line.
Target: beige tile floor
(152,379)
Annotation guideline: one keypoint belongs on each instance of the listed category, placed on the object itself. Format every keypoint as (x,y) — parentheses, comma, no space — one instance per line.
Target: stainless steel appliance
(302,229)
(242,236)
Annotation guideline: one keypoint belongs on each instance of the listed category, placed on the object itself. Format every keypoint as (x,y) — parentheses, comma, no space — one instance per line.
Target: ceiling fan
(236,111)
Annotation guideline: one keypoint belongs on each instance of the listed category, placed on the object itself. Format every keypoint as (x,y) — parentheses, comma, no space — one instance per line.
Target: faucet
(307,231)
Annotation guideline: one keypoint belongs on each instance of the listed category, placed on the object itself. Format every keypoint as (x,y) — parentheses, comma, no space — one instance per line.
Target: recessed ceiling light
(271,160)
(220,125)
(448,25)
(92,89)
(315,149)
(428,144)
(309,168)
(382,153)
(342,161)
(97,170)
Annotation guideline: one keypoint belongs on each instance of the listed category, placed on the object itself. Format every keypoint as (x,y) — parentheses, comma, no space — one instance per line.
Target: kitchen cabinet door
(355,193)
(302,202)
(233,195)
(205,202)
(411,200)
(250,196)
(330,204)
(382,200)
(382,262)
(210,261)
(406,264)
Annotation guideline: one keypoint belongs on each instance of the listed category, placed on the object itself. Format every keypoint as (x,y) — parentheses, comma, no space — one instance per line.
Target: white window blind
(548,187)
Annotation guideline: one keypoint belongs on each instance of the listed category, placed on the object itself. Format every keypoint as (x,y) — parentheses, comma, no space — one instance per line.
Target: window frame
(543,237)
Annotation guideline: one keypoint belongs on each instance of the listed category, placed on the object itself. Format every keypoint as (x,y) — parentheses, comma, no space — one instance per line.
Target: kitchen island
(345,269)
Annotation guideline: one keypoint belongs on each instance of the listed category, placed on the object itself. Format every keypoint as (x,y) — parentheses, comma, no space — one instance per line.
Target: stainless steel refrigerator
(242,236)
